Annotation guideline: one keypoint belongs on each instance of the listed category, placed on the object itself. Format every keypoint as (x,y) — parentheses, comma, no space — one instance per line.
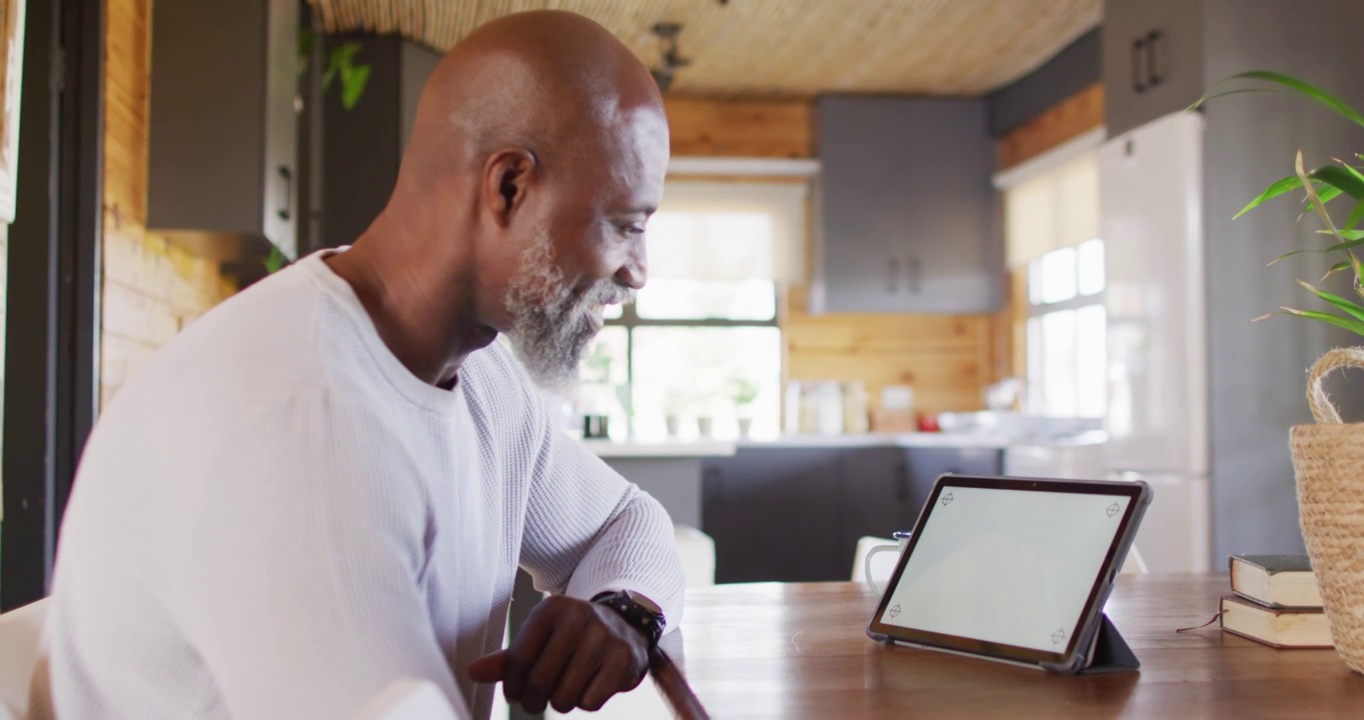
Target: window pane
(613,312)
(1058,275)
(1091,266)
(604,388)
(1058,364)
(1035,282)
(1036,400)
(690,373)
(1091,361)
(669,299)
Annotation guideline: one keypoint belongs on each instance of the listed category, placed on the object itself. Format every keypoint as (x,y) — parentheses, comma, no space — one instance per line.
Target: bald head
(553,82)
(537,155)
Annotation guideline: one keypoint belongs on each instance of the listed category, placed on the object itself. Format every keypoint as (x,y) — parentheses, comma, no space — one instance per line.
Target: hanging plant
(341,66)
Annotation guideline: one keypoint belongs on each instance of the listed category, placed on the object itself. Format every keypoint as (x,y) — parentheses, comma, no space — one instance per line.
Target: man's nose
(635,271)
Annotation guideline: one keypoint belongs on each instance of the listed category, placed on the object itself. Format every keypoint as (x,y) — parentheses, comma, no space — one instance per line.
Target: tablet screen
(1006,566)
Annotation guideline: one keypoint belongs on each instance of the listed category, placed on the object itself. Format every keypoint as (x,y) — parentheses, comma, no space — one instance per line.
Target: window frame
(630,319)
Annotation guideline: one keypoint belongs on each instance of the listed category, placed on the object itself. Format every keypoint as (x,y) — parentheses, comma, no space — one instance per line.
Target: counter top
(666,449)
(716,448)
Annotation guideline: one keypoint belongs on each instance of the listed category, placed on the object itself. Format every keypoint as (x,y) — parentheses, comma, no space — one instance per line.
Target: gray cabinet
(1152,60)
(907,218)
(354,154)
(222,126)
(794,514)
(773,514)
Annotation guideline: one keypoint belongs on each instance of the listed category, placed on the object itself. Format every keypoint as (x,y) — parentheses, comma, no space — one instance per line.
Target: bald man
(326,484)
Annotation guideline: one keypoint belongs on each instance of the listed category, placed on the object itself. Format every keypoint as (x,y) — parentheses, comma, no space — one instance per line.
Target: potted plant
(743,392)
(1328,457)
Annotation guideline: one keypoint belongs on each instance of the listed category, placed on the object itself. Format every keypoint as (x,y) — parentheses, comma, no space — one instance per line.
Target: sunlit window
(1066,333)
(699,353)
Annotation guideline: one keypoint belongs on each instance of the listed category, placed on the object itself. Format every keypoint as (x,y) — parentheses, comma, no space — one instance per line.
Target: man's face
(590,251)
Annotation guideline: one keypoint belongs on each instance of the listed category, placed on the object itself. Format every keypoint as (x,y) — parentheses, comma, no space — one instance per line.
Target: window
(1051,222)
(700,350)
(1067,333)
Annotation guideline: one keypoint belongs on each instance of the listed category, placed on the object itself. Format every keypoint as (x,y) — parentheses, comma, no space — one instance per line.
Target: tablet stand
(1110,652)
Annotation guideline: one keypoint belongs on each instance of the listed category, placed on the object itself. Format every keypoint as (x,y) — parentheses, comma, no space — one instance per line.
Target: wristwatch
(639,611)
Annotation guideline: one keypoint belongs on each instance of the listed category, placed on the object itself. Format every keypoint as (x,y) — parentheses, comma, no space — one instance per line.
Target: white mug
(903,537)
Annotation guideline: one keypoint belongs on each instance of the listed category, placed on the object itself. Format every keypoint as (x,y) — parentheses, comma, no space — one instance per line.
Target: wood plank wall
(1067,120)
(151,288)
(946,358)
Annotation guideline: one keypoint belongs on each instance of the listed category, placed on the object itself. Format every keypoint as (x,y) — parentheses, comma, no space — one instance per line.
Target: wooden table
(801,651)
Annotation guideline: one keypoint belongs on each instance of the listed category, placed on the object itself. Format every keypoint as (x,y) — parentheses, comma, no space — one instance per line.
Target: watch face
(644,602)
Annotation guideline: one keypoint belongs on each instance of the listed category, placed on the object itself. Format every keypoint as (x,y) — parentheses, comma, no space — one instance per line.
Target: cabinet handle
(288,178)
(893,277)
(1138,65)
(916,275)
(1153,78)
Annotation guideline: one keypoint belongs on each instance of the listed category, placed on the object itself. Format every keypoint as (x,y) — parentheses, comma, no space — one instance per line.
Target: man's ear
(506,180)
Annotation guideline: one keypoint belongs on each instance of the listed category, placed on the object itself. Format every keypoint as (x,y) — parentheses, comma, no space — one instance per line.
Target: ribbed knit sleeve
(588,530)
(306,600)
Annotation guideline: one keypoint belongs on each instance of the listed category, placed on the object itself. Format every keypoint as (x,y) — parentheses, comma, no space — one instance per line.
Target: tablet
(1011,569)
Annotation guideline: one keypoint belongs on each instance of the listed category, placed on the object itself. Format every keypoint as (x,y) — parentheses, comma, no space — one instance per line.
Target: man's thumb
(487,669)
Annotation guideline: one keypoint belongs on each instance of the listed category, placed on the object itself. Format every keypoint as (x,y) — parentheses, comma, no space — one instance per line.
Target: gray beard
(551,327)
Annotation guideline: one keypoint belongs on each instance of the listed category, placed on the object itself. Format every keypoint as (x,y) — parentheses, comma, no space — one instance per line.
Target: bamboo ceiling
(757,48)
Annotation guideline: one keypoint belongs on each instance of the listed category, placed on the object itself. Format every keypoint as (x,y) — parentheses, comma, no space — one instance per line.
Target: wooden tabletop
(800,651)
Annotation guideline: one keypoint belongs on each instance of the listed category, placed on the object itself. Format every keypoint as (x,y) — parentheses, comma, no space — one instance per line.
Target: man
(327,483)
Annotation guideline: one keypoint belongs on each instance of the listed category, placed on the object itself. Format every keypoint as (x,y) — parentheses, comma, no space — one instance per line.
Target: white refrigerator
(1150,218)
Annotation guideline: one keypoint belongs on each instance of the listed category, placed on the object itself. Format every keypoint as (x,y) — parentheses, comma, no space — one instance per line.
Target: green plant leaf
(1292,182)
(1313,197)
(274,261)
(1345,265)
(1339,178)
(1354,326)
(1340,303)
(1356,215)
(1294,85)
(306,40)
(1346,233)
(353,86)
(1287,255)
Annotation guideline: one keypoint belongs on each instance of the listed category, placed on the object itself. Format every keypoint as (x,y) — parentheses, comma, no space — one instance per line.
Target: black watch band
(646,617)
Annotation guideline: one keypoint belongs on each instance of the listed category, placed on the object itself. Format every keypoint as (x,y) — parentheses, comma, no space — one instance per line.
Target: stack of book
(1275,601)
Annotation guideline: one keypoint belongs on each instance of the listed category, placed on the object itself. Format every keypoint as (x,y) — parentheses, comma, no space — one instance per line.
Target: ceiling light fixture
(667,34)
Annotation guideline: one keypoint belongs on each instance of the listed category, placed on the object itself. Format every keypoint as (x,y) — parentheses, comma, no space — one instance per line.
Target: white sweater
(275,519)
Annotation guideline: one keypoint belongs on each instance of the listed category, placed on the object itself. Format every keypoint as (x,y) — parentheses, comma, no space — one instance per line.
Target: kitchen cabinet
(773,514)
(875,496)
(222,128)
(907,220)
(794,514)
(1152,60)
(355,153)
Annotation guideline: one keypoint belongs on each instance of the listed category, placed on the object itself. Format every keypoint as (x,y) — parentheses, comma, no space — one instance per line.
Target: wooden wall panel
(715,128)
(151,288)
(1072,117)
(945,358)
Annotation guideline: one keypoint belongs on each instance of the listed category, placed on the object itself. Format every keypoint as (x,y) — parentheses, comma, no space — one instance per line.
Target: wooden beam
(1072,117)
(730,128)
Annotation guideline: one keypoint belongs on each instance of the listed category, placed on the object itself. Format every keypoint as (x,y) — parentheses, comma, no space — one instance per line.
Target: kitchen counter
(715,448)
(667,449)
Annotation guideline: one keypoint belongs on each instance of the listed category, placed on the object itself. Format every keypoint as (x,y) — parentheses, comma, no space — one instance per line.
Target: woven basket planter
(1328,461)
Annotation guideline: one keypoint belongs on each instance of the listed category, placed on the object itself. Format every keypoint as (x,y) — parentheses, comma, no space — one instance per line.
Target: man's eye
(630,230)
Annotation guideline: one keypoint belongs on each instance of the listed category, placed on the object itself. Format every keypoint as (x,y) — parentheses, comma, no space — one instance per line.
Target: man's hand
(570,654)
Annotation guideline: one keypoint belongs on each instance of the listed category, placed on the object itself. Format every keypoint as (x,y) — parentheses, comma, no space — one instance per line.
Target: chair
(20,632)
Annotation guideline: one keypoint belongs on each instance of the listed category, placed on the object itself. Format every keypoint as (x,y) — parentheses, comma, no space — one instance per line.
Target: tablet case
(1110,654)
